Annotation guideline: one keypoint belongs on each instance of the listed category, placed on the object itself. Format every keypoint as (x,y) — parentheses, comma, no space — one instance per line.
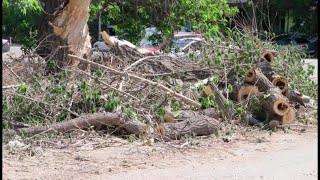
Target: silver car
(5,46)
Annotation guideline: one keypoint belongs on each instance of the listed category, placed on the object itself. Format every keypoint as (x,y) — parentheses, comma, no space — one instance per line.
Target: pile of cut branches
(230,80)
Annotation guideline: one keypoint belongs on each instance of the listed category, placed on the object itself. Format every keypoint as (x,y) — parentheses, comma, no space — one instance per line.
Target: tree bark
(198,125)
(275,102)
(274,78)
(85,121)
(285,119)
(222,102)
(63,29)
(242,92)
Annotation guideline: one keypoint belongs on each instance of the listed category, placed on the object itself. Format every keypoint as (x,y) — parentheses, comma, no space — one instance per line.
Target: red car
(180,40)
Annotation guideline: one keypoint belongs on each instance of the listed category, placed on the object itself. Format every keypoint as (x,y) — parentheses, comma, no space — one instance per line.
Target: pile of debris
(176,96)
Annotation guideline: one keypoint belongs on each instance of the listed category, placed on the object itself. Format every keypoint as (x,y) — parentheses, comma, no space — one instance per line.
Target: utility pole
(99,28)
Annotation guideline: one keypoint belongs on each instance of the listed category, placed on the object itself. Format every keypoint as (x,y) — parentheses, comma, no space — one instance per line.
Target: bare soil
(93,157)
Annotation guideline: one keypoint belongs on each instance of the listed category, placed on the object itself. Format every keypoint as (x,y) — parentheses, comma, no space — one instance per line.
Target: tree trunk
(63,29)
(198,125)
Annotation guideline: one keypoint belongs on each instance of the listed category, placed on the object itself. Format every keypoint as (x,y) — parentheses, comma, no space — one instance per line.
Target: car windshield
(284,42)
(301,41)
(145,43)
(182,42)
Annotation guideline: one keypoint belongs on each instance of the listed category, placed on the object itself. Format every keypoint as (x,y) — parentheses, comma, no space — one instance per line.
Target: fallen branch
(222,102)
(10,86)
(84,121)
(175,94)
(195,126)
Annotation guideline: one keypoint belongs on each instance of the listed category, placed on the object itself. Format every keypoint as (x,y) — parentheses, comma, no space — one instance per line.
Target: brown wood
(243,92)
(169,118)
(268,56)
(250,76)
(84,121)
(198,125)
(208,91)
(276,103)
(210,112)
(297,97)
(273,52)
(274,78)
(289,117)
(280,82)
(69,28)
(107,39)
(222,102)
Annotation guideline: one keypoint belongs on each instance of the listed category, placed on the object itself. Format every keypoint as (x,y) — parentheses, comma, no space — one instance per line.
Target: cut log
(274,78)
(210,112)
(280,82)
(286,119)
(246,91)
(273,52)
(243,92)
(276,103)
(289,117)
(297,97)
(169,118)
(250,76)
(267,55)
(222,102)
(84,121)
(256,77)
(198,126)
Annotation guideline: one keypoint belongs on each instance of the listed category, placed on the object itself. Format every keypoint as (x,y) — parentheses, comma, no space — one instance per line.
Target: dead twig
(135,77)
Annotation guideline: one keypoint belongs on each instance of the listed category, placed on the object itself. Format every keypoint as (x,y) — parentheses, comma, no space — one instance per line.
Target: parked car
(179,42)
(297,40)
(313,47)
(5,46)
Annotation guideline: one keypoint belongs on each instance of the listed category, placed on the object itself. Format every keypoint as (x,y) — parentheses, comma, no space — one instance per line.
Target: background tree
(20,20)
(264,14)
(131,17)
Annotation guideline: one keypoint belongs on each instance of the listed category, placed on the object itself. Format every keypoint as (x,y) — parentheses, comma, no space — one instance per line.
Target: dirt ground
(248,155)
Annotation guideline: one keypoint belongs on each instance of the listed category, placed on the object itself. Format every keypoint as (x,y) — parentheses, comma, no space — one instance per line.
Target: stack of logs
(264,82)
